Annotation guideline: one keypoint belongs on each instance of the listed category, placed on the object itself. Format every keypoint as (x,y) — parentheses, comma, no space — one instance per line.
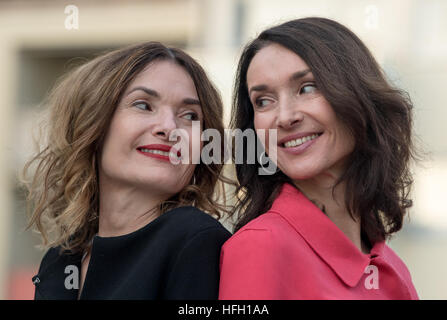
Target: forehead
(161,75)
(273,63)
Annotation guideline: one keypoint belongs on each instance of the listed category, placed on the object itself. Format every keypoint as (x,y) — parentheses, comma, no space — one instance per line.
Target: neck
(332,202)
(124,209)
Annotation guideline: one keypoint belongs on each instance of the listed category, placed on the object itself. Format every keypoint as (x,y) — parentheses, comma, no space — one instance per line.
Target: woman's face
(136,149)
(312,142)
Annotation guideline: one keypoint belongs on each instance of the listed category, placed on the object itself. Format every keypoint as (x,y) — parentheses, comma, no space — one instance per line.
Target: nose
(164,124)
(289,114)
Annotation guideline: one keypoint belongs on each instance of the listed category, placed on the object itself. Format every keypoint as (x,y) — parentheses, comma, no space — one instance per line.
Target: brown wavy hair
(63,188)
(379,116)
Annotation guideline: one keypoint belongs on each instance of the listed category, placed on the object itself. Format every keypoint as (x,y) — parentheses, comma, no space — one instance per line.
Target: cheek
(123,129)
(339,135)
(110,158)
(189,141)
(345,140)
(120,140)
(348,143)
(263,124)
(261,121)
(195,143)
(107,148)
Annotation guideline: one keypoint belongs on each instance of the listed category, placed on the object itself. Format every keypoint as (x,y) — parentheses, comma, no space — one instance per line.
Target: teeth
(163,153)
(299,141)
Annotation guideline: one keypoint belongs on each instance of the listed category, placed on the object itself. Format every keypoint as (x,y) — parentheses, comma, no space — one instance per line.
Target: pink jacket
(294,251)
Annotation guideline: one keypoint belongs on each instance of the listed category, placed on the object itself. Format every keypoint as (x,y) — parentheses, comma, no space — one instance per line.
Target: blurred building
(41,40)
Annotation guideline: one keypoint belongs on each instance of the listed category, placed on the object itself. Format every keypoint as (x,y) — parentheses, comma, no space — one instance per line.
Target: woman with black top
(113,198)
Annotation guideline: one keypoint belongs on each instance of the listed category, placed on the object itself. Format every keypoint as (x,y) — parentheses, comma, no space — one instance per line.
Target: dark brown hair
(378,177)
(63,188)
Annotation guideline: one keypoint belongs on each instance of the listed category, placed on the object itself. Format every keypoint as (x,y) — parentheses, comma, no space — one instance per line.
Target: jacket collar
(328,241)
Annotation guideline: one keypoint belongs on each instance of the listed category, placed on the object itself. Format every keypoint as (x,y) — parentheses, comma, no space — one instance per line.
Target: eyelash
(312,84)
(258,101)
(137,103)
(194,116)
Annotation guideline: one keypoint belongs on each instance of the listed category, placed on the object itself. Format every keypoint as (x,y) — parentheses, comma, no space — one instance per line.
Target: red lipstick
(147,151)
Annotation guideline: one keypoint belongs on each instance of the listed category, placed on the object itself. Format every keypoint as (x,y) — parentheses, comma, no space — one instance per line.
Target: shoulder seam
(249,227)
(197,233)
(236,235)
(190,239)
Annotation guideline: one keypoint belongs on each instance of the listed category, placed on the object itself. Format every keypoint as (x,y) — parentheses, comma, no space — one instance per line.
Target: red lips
(160,147)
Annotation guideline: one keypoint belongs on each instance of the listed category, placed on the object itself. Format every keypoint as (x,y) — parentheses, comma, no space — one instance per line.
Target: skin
(285,97)
(133,185)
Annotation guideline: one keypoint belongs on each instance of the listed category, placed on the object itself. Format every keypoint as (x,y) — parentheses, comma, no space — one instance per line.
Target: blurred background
(41,40)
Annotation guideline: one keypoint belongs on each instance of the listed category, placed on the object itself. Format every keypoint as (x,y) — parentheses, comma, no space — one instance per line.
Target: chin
(301,174)
(161,181)
(162,184)
(299,177)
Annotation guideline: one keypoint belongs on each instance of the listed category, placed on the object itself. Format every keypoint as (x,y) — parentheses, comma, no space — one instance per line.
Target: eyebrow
(294,77)
(147,90)
(298,75)
(155,94)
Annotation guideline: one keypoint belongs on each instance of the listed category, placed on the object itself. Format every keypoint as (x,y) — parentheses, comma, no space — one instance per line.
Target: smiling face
(160,99)
(312,142)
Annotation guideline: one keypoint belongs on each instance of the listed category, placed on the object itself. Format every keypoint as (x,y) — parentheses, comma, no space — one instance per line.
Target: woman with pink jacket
(316,228)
